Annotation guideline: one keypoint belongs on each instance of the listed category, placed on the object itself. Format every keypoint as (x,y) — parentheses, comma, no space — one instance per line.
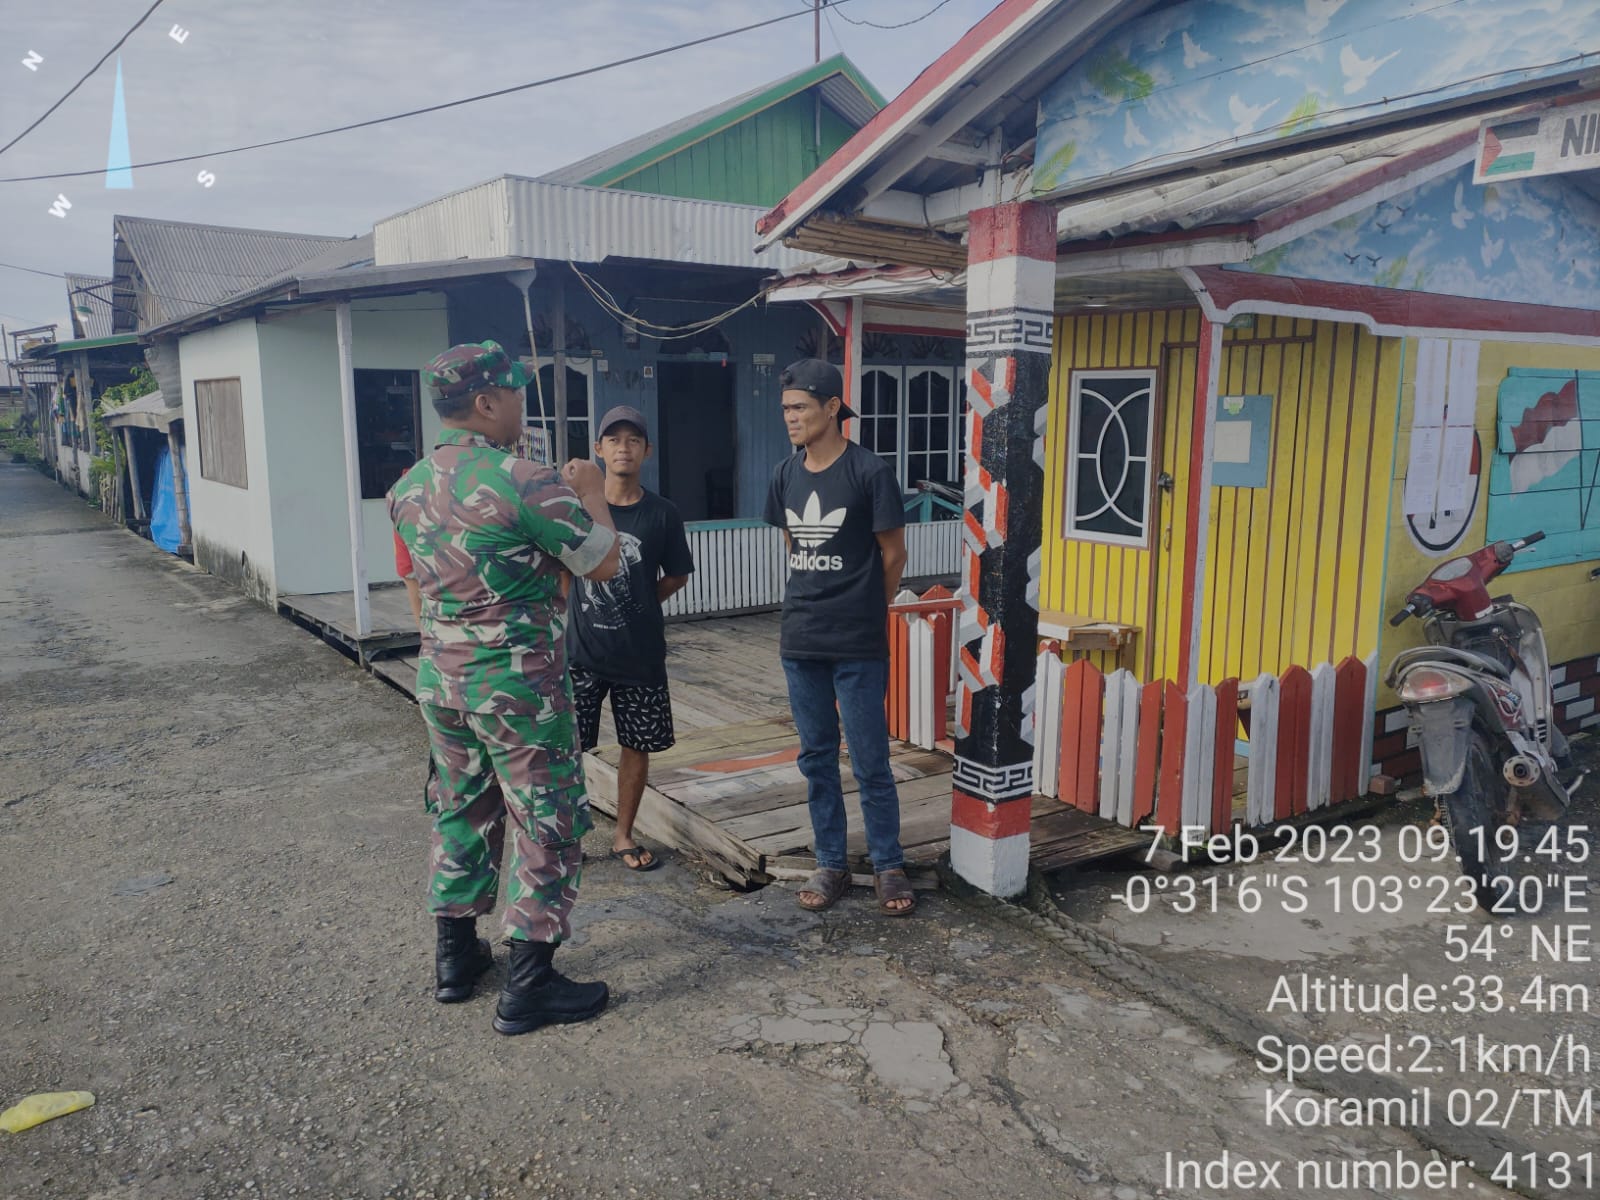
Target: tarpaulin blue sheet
(164,529)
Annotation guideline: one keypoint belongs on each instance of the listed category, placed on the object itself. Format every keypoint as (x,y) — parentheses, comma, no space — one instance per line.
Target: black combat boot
(537,994)
(459,958)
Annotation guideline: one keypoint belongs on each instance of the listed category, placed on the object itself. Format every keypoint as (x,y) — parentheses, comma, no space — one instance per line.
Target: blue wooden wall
(784,331)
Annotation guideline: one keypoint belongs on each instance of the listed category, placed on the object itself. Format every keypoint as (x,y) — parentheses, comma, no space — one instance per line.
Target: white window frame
(530,417)
(903,373)
(952,450)
(1070,495)
(896,418)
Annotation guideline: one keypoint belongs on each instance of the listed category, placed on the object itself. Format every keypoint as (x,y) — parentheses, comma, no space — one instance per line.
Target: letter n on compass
(1011,261)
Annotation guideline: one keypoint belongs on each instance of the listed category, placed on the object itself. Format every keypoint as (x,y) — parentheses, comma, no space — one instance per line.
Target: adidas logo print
(810,529)
(801,561)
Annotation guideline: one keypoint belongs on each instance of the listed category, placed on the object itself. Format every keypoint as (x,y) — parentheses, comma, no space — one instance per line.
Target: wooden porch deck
(722,672)
(333,614)
(731,793)
(735,796)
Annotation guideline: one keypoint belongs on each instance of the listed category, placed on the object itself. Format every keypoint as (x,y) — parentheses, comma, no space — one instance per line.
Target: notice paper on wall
(1232,442)
(1456,482)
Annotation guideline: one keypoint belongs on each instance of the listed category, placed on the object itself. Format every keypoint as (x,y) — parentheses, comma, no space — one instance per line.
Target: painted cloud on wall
(1213,72)
(1530,241)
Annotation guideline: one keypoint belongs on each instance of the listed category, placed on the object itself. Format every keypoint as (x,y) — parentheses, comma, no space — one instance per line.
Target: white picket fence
(740,566)
(933,548)
(922,665)
(1132,752)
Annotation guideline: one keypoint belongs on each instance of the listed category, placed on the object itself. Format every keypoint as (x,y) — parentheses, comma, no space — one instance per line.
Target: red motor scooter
(1479,699)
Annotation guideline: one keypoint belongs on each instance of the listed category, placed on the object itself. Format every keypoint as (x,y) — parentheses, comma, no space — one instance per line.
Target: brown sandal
(892,885)
(824,882)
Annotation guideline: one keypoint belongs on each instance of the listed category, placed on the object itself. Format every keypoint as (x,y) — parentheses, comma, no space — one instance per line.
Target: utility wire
(901,25)
(602,296)
(432,108)
(650,329)
(94,290)
(132,29)
(833,30)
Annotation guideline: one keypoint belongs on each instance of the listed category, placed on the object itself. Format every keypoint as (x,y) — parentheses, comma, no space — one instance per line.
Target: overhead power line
(94,289)
(433,108)
(132,29)
(901,25)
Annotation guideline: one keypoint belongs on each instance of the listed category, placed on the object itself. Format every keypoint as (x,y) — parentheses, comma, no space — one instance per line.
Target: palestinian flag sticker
(1508,149)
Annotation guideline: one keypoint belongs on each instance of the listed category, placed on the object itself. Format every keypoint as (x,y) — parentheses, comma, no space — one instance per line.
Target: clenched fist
(583,477)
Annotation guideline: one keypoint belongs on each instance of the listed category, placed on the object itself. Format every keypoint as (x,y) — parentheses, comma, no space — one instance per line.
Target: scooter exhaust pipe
(1521,771)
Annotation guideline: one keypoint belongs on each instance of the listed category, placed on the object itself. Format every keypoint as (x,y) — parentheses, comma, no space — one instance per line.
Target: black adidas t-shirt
(835,607)
(616,628)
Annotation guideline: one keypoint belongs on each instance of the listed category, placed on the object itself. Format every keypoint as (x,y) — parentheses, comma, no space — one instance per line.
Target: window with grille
(1108,456)
(388,428)
(910,416)
(579,443)
(219,418)
(879,414)
(930,415)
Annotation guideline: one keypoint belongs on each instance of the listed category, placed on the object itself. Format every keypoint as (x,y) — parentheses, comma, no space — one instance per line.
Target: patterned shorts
(642,714)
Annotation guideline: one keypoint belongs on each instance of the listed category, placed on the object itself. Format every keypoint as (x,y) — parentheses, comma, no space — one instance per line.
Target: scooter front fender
(1444,729)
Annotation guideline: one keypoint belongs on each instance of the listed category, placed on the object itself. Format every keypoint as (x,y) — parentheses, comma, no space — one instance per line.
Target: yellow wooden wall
(1294,571)
(1091,579)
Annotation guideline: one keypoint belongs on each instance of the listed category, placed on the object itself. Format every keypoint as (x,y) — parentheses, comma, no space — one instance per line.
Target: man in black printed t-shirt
(616,633)
(841,512)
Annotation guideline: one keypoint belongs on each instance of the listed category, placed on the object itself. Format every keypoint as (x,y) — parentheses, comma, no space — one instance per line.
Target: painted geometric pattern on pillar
(1010,290)
(983,527)
(1000,586)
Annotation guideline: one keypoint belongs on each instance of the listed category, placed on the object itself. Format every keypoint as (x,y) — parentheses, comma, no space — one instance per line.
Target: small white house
(262,400)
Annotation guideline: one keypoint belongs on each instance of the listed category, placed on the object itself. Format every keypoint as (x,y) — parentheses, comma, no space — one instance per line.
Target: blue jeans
(858,688)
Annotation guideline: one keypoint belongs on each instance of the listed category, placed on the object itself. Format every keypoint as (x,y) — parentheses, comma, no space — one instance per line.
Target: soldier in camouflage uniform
(491,537)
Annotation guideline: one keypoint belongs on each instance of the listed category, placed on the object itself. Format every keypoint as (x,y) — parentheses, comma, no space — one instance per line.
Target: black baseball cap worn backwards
(821,379)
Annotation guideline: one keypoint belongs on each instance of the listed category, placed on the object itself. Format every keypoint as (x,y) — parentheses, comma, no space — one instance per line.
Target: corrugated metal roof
(89,300)
(533,218)
(184,268)
(345,282)
(1239,195)
(346,255)
(843,87)
(149,411)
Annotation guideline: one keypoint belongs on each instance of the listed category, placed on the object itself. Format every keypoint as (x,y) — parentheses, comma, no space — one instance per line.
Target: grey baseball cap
(617,416)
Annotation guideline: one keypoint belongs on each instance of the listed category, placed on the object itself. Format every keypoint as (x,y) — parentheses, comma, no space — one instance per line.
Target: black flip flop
(637,853)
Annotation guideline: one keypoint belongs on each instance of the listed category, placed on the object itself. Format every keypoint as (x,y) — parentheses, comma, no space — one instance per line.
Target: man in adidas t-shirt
(841,512)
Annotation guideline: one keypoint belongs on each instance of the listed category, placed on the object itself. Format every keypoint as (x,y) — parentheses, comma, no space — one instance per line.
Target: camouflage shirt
(488,535)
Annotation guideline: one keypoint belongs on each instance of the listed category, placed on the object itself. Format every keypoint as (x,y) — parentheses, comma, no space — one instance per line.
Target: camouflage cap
(471,365)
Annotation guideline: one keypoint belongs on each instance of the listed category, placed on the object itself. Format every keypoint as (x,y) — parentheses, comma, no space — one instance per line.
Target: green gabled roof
(52,349)
(844,89)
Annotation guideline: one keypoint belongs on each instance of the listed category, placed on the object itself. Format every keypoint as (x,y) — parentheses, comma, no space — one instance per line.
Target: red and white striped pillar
(1011,268)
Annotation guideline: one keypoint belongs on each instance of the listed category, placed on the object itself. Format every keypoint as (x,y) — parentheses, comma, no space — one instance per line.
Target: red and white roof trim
(983,44)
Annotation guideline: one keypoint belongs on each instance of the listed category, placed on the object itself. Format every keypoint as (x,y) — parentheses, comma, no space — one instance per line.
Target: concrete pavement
(212,918)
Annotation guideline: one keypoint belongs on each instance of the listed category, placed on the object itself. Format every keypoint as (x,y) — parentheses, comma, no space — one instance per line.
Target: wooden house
(1267,315)
(631,277)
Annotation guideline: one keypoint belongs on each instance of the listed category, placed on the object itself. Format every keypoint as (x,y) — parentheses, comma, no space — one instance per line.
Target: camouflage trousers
(489,769)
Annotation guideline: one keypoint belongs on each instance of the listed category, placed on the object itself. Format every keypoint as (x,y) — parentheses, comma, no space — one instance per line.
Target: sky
(252,70)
